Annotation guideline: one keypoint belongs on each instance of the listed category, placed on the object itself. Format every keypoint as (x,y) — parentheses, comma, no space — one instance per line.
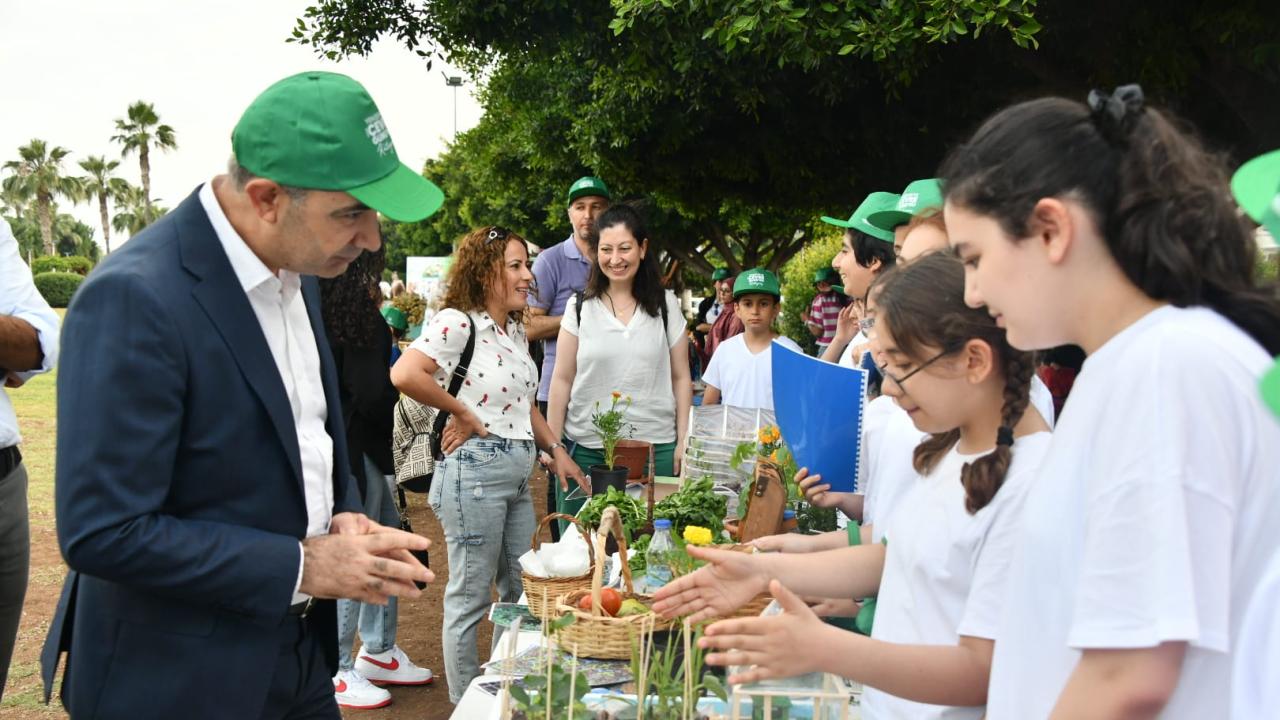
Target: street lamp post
(455,82)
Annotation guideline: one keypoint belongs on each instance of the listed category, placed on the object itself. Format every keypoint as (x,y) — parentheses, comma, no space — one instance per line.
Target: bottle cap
(788,514)
(662,524)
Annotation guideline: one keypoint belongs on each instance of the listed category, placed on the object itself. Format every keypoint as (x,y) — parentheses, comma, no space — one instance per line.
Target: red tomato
(610,601)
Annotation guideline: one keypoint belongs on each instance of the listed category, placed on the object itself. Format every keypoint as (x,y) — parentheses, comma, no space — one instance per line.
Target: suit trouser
(301,686)
(15,561)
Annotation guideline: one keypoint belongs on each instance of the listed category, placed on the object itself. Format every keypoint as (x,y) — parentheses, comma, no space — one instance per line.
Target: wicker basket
(540,592)
(596,634)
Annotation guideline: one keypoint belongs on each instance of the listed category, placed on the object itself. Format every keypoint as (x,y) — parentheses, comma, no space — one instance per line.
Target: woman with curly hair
(481,489)
(361,351)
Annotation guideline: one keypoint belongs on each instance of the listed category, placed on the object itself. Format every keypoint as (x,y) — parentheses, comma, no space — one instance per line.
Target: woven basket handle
(536,542)
(610,521)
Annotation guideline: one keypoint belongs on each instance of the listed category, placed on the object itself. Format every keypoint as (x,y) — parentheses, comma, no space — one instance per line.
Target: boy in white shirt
(741,371)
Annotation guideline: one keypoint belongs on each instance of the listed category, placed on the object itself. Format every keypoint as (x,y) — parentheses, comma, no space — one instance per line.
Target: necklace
(613,309)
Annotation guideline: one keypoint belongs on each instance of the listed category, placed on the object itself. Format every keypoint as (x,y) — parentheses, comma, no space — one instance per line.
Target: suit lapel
(219,294)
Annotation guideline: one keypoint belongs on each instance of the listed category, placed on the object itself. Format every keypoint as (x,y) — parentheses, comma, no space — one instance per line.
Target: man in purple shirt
(559,272)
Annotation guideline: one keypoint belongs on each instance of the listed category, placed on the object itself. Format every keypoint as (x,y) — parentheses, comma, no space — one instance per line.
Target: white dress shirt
(20,299)
(277,302)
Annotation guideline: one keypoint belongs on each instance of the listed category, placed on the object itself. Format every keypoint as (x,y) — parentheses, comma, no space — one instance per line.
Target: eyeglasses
(866,324)
(496,233)
(884,370)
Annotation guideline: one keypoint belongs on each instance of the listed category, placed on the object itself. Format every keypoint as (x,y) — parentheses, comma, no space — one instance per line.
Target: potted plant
(610,427)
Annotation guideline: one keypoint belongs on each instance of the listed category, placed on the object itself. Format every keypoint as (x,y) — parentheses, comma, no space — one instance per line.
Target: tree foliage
(37,176)
(739,121)
(140,131)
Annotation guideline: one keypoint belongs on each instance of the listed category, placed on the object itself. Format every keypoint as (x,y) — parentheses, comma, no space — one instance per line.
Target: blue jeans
(481,496)
(377,623)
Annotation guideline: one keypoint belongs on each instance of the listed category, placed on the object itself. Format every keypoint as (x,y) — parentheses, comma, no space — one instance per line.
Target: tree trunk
(106,226)
(145,161)
(45,206)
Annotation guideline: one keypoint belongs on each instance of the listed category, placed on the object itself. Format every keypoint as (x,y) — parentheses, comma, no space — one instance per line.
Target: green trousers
(663,461)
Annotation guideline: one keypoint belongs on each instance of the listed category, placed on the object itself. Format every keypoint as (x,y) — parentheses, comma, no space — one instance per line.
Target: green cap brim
(403,195)
(837,222)
(1256,185)
(1270,387)
(887,220)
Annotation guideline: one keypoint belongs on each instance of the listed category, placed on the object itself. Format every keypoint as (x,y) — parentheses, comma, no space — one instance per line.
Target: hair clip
(497,233)
(1115,113)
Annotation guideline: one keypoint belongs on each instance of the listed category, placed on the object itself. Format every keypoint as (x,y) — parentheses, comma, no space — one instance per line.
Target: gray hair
(240,177)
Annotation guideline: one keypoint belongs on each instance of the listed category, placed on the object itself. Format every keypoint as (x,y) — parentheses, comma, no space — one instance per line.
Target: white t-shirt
(744,378)
(1154,517)
(633,359)
(501,378)
(944,569)
(890,443)
(1255,691)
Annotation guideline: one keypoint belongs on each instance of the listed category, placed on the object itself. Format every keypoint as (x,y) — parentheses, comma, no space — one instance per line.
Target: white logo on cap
(908,201)
(755,279)
(377,132)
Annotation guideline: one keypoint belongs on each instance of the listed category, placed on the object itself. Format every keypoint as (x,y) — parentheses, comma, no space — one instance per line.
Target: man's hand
(368,567)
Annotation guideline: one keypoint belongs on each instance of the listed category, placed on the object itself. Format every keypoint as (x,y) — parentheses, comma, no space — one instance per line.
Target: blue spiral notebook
(819,410)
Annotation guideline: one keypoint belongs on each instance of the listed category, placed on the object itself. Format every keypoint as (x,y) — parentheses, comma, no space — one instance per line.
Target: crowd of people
(1032,535)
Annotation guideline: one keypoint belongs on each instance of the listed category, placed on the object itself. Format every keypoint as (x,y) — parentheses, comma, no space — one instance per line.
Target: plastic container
(657,557)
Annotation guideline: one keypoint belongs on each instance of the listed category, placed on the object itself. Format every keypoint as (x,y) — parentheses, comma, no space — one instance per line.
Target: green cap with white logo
(756,280)
(719,274)
(1257,188)
(321,131)
(919,196)
(875,202)
(588,185)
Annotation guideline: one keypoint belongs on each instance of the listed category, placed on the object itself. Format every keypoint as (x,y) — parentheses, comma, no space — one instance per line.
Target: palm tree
(12,202)
(132,212)
(100,183)
(38,174)
(141,131)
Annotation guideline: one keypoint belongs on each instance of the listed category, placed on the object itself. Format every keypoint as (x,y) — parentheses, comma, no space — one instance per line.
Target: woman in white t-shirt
(940,571)
(480,490)
(628,337)
(1105,226)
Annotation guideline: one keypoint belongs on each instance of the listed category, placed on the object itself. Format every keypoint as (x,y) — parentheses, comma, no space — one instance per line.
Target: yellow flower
(774,456)
(695,535)
(763,435)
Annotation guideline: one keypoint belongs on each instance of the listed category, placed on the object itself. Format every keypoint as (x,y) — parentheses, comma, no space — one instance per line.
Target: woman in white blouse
(627,337)
(480,491)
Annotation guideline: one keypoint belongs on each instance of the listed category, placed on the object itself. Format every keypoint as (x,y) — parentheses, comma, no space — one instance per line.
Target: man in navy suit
(204,501)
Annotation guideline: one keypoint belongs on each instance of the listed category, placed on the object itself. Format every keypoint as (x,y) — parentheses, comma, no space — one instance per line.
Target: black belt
(301,609)
(10,457)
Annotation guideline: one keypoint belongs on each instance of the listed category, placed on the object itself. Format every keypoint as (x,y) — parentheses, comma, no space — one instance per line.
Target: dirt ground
(419,628)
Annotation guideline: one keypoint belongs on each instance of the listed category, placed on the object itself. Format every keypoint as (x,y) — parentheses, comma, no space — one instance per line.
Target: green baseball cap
(826,275)
(756,280)
(720,274)
(919,196)
(588,185)
(1270,386)
(321,131)
(1257,188)
(395,318)
(875,202)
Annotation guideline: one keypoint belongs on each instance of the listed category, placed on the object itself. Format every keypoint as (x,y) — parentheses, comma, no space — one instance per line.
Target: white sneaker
(392,667)
(353,690)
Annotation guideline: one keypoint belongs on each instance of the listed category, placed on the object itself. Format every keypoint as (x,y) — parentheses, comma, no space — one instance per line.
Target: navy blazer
(179,485)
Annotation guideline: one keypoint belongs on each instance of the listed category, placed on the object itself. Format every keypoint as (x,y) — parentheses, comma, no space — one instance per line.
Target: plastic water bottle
(658,557)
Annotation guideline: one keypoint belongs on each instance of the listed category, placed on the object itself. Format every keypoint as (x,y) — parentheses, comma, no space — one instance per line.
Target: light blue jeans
(481,496)
(377,623)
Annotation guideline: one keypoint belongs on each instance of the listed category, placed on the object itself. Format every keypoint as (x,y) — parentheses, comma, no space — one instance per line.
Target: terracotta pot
(634,454)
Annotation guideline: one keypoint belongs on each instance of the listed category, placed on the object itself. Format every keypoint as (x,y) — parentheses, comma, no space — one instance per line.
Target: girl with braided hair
(939,573)
(1107,225)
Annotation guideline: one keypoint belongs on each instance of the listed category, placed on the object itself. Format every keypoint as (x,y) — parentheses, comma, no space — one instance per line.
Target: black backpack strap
(455,383)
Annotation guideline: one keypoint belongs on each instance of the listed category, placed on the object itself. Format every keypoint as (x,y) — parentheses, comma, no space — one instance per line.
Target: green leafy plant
(673,678)
(695,503)
(556,693)
(57,288)
(412,305)
(630,510)
(611,426)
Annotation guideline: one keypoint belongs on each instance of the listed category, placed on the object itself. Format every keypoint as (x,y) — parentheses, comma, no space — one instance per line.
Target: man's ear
(267,199)
(1053,225)
(979,361)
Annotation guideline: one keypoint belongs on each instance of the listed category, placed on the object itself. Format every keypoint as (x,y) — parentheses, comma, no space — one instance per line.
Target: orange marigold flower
(616,394)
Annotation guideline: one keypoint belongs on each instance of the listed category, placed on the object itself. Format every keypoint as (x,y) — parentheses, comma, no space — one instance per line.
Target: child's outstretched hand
(773,646)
